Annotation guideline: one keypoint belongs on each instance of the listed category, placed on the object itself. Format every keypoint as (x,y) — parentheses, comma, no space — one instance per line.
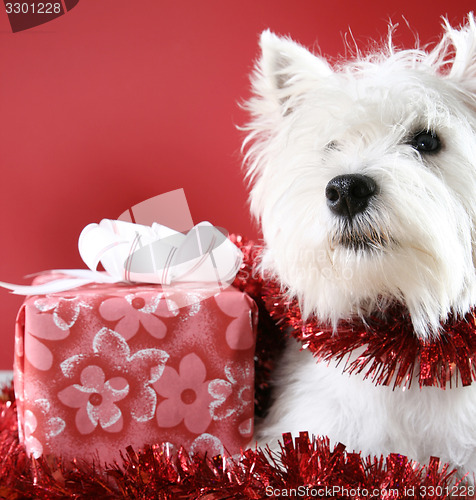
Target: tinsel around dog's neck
(383,348)
(389,351)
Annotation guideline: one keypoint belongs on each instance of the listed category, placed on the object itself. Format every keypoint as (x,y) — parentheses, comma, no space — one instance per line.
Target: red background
(120,100)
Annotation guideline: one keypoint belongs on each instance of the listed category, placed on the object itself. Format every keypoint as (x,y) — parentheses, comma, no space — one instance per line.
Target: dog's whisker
(360,236)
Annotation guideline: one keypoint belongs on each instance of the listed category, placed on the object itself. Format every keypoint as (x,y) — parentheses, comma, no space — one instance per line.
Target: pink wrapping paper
(102,367)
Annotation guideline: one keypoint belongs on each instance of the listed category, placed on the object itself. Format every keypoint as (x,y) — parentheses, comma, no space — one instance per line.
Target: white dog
(364,181)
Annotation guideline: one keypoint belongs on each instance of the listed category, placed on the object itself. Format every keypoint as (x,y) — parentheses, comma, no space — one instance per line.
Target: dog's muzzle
(348,195)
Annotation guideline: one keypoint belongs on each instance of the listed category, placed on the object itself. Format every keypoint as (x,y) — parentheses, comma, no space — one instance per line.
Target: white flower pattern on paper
(209,444)
(96,400)
(65,310)
(241,332)
(238,386)
(187,395)
(38,419)
(34,447)
(246,427)
(136,309)
(41,326)
(112,352)
(52,425)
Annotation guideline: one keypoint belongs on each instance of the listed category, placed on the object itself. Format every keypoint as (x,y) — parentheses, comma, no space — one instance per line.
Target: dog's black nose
(349,194)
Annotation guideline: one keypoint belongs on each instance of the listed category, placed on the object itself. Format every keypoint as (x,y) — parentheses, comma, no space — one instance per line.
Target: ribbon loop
(148,254)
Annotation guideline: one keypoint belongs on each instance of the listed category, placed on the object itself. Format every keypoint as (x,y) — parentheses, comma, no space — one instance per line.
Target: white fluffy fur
(312,121)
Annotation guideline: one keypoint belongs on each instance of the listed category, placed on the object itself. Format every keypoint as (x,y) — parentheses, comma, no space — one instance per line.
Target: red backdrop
(120,100)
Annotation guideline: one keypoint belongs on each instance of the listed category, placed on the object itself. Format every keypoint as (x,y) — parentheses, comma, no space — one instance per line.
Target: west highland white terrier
(363,178)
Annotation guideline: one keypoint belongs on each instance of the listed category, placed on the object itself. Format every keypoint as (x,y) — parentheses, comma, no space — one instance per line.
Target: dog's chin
(360,237)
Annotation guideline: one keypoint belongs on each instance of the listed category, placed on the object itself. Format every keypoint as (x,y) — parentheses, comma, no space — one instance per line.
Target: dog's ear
(286,70)
(460,48)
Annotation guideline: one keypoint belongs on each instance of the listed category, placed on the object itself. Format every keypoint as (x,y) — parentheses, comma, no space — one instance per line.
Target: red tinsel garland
(304,469)
(393,355)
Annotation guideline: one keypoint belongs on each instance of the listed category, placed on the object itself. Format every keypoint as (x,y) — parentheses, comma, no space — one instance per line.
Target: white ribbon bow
(147,254)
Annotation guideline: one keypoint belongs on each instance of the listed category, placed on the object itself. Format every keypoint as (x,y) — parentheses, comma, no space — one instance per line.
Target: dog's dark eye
(426,142)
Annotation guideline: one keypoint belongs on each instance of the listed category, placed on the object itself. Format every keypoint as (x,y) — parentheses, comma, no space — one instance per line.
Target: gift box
(105,366)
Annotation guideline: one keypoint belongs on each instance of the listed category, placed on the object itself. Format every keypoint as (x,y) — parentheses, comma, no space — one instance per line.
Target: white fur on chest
(418,423)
